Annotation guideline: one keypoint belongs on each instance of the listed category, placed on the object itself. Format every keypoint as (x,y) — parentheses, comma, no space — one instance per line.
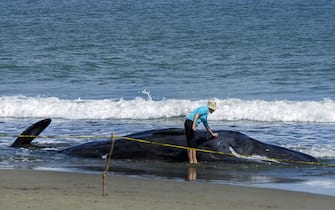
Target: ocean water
(97,67)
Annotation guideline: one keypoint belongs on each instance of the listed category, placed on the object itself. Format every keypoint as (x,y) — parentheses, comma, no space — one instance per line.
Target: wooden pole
(108,162)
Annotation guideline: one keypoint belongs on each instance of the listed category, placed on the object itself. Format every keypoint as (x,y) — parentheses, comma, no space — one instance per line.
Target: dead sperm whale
(230,146)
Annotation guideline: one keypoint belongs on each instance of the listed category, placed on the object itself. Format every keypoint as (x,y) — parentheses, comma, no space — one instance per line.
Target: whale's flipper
(28,135)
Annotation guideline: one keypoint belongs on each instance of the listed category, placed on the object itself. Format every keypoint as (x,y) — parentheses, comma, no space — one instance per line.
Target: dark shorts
(190,134)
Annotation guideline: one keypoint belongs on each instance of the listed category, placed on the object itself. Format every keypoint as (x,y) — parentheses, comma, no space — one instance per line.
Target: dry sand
(41,190)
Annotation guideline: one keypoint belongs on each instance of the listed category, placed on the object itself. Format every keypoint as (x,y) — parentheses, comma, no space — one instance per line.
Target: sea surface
(122,66)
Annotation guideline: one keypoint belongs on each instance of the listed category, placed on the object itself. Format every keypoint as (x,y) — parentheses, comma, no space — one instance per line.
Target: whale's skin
(230,146)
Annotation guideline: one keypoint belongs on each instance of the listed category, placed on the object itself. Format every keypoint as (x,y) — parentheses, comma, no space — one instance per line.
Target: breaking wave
(140,108)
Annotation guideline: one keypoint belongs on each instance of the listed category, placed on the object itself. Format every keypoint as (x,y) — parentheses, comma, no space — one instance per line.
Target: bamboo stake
(108,162)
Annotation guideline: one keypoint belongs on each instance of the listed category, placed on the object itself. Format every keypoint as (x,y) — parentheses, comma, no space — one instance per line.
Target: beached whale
(230,146)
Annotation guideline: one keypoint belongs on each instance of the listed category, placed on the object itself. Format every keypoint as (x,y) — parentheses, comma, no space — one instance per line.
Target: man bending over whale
(197,116)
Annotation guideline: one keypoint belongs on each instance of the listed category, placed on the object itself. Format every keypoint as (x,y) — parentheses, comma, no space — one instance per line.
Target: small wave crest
(141,108)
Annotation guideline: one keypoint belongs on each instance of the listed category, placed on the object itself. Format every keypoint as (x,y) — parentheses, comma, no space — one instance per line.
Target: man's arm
(211,132)
(194,125)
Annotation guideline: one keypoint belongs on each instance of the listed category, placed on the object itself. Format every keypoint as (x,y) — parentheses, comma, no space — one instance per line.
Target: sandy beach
(30,189)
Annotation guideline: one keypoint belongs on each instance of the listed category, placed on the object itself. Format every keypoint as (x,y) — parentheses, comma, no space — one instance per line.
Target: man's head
(211,106)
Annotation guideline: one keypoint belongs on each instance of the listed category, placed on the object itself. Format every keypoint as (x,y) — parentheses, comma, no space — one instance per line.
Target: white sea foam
(320,151)
(140,108)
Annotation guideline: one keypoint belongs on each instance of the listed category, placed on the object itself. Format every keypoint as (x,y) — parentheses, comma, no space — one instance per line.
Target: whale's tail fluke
(28,135)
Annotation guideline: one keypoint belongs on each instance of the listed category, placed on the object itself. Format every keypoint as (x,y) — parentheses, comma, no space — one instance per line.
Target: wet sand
(40,190)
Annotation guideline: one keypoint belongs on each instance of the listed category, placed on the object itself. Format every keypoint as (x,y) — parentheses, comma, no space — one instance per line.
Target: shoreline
(32,189)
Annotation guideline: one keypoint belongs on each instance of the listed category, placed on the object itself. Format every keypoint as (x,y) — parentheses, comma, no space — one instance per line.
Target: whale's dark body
(228,142)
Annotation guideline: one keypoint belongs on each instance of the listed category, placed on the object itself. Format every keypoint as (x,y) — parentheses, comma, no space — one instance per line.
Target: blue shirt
(203,113)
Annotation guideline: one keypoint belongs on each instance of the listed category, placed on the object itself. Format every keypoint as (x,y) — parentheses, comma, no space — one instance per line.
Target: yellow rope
(217,152)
